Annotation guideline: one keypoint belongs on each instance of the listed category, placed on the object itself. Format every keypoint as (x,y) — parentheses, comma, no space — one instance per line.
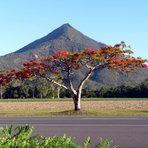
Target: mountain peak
(64,29)
(65,37)
(66,25)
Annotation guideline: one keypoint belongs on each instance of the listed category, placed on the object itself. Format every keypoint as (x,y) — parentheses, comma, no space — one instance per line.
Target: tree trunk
(33,93)
(77,103)
(77,94)
(58,93)
(1,92)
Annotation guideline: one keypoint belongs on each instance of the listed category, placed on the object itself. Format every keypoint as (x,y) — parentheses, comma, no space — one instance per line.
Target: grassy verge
(35,100)
(64,107)
(70,112)
(69,99)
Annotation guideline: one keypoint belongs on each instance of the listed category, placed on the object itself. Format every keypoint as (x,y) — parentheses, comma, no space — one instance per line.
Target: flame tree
(64,64)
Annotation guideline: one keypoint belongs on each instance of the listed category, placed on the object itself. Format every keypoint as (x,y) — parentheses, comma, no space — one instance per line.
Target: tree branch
(83,81)
(55,82)
(100,66)
(70,83)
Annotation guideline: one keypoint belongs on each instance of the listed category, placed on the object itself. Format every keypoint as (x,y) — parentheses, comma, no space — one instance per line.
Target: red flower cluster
(5,80)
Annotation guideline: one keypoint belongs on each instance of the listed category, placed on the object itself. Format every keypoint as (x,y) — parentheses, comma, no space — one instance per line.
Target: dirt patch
(117,104)
(69,104)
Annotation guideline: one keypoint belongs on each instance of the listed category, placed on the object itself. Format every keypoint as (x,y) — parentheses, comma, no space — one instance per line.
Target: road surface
(128,132)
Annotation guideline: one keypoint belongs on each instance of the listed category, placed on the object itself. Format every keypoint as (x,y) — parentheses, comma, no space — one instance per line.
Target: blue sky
(108,21)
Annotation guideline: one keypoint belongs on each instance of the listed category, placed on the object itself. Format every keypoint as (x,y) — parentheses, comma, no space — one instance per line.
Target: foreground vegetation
(20,137)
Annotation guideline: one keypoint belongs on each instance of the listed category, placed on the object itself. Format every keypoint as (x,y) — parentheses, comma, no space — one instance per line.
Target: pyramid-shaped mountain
(67,37)
(64,37)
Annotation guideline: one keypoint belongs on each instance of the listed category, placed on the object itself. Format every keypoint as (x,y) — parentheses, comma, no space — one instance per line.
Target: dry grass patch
(92,108)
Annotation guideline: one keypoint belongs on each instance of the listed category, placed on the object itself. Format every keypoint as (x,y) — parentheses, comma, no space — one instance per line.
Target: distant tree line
(41,88)
(123,91)
(37,88)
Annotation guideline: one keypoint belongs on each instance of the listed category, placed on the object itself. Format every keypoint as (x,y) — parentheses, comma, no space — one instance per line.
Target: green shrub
(20,137)
(105,143)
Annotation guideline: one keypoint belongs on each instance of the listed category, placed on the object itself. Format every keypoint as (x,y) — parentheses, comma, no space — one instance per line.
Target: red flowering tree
(5,79)
(64,64)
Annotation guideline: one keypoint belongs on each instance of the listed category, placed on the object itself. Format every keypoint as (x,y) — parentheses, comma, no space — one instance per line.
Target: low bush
(20,137)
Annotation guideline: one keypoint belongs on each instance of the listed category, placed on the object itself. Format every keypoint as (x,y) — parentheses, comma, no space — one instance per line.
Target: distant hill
(64,37)
(67,37)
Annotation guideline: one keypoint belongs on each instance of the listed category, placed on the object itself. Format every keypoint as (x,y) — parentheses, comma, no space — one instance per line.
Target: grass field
(70,112)
(64,107)
(89,112)
(69,99)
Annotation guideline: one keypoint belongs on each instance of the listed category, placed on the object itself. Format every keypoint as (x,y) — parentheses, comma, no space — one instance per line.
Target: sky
(107,21)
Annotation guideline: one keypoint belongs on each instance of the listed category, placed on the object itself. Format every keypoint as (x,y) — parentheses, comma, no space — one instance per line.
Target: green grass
(69,99)
(35,100)
(71,112)
(104,112)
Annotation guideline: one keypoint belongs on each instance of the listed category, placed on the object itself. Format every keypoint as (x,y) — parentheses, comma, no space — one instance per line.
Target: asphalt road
(128,132)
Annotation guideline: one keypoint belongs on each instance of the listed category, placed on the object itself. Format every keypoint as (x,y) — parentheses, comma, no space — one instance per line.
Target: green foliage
(37,88)
(105,143)
(87,142)
(20,137)
(56,142)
